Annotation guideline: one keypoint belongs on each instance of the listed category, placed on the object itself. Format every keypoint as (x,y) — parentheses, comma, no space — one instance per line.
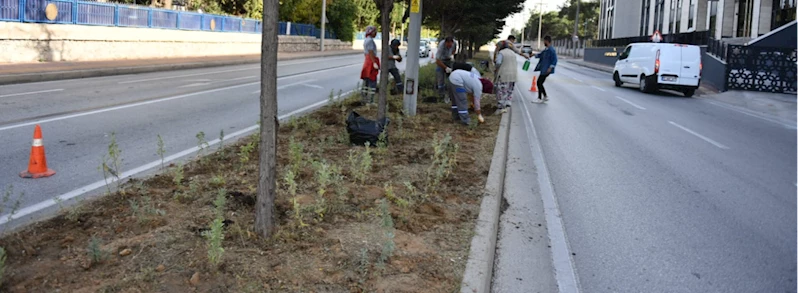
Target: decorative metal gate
(761,69)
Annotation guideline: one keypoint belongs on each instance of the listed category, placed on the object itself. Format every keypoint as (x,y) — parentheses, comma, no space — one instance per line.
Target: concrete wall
(597,55)
(714,72)
(31,42)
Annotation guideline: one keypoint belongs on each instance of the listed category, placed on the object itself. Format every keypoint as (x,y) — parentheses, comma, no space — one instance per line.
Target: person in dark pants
(548,60)
(391,65)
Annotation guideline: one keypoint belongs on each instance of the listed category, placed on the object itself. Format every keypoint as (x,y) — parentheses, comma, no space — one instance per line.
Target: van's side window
(626,52)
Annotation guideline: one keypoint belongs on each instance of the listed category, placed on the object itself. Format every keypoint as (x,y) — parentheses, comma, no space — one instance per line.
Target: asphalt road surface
(662,193)
(78,116)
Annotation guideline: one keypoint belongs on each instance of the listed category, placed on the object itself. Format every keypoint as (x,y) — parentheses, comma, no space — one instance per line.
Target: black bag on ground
(362,130)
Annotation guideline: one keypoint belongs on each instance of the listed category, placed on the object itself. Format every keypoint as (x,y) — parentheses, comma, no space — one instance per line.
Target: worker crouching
(464,83)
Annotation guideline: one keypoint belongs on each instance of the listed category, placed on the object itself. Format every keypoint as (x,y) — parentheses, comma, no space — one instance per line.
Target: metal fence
(763,69)
(110,14)
(692,38)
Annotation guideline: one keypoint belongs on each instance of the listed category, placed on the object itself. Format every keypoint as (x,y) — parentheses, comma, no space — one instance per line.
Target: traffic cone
(534,87)
(37,166)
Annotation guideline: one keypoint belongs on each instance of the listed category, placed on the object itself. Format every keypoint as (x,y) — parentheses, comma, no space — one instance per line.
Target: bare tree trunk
(385,22)
(264,208)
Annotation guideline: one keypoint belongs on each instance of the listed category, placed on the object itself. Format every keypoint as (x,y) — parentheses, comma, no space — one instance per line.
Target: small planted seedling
(95,252)
(215,235)
(161,150)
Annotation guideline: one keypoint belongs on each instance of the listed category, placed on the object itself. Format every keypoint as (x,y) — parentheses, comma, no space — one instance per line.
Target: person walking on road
(371,66)
(390,64)
(466,82)
(548,60)
(444,58)
(506,75)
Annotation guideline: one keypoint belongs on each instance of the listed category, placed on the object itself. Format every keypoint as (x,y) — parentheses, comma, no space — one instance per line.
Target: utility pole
(540,23)
(323,21)
(576,28)
(411,69)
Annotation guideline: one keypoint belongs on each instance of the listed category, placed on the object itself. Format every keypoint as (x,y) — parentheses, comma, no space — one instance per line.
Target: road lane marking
(218,81)
(123,106)
(630,103)
(288,85)
(194,84)
(752,114)
(715,143)
(579,80)
(313,86)
(4,219)
(186,75)
(564,271)
(31,93)
(598,88)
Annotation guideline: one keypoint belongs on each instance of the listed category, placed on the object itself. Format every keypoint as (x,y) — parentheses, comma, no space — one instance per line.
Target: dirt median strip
(479,268)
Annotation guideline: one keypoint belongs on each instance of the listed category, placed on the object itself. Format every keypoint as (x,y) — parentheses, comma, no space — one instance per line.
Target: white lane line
(715,143)
(194,84)
(225,80)
(579,80)
(99,184)
(752,114)
(564,270)
(630,103)
(288,85)
(31,93)
(186,75)
(598,88)
(313,86)
(123,107)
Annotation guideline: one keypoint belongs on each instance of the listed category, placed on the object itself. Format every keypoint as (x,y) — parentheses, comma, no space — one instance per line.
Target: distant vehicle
(654,66)
(423,50)
(526,49)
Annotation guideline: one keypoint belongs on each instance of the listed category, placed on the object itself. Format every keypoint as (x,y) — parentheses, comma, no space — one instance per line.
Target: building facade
(722,18)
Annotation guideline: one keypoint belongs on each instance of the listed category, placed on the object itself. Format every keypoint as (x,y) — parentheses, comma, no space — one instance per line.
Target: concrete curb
(478,274)
(86,73)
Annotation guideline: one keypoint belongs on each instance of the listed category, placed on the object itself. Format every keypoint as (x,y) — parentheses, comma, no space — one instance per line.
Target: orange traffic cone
(534,87)
(37,167)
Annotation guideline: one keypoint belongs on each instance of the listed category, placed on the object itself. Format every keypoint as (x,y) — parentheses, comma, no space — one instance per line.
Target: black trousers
(541,89)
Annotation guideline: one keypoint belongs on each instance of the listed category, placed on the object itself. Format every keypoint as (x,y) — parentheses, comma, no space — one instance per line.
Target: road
(78,116)
(656,192)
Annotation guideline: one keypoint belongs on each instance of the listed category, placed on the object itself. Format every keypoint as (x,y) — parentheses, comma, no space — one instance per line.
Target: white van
(655,66)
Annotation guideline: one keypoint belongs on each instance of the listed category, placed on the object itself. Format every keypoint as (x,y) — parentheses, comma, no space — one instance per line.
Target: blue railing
(108,14)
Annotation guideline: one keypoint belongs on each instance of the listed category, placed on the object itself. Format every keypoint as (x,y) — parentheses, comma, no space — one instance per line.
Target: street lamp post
(323,20)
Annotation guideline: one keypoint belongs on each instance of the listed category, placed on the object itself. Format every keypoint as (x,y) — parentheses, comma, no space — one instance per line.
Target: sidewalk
(46,71)
(778,106)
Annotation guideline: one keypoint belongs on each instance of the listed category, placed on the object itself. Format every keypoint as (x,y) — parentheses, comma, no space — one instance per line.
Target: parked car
(526,49)
(423,50)
(654,66)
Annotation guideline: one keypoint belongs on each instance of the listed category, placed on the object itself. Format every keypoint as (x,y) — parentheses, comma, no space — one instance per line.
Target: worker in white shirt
(464,83)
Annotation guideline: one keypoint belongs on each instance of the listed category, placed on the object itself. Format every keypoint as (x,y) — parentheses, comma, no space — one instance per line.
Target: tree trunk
(385,21)
(264,208)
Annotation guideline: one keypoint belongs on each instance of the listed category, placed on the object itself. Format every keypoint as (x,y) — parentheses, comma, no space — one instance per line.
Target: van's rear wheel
(643,84)
(689,92)
(617,79)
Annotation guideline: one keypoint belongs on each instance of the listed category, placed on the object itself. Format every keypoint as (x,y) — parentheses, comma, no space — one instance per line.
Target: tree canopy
(560,24)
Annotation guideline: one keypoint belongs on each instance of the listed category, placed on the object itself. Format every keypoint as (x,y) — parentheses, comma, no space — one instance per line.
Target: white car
(655,66)
(423,50)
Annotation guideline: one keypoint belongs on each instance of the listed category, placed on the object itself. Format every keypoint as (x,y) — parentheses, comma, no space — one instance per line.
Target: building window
(644,17)
(783,13)
(690,15)
(713,16)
